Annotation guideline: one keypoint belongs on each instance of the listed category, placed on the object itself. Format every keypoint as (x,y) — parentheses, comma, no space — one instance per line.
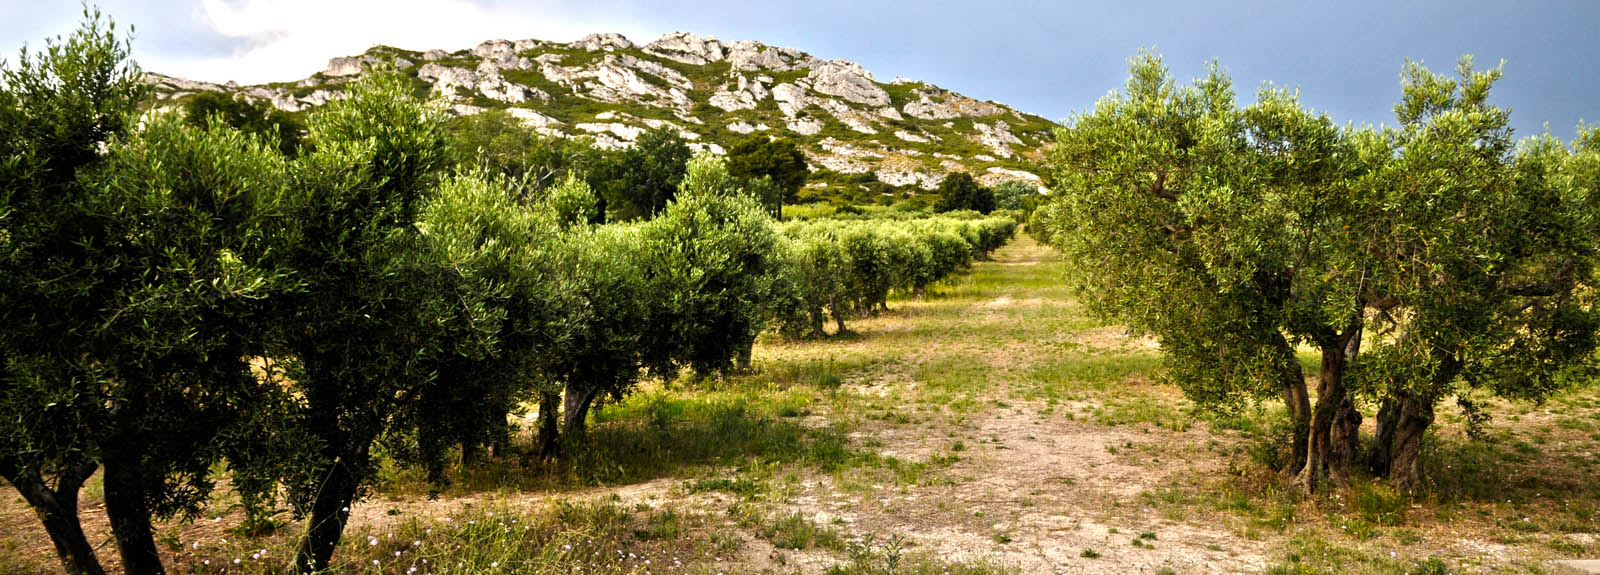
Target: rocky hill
(852,127)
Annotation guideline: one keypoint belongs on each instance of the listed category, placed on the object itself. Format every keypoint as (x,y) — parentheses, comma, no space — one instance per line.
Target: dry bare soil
(990,427)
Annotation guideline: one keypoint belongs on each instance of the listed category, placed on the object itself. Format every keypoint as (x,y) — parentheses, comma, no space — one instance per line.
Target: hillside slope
(852,127)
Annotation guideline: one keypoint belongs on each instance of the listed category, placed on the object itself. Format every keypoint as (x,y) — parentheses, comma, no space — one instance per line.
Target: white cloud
(290,39)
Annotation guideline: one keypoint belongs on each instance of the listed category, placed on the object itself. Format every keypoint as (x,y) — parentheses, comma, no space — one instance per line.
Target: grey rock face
(753,56)
(791,99)
(347,65)
(688,48)
(996,136)
(746,95)
(608,42)
(847,80)
(934,104)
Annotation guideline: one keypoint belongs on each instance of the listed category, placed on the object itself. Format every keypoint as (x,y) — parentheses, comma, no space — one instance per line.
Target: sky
(1051,58)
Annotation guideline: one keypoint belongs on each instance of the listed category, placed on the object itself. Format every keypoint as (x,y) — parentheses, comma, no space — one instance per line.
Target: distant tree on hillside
(959,191)
(499,144)
(250,117)
(779,159)
(1015,195)
(638,182)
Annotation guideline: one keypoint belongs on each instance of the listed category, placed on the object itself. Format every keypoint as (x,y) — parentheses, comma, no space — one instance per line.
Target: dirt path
(991,424)
(1032,487)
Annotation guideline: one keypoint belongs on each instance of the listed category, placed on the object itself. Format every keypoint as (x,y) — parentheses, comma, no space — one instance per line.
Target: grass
(794,531)
(890,448)
(497,536)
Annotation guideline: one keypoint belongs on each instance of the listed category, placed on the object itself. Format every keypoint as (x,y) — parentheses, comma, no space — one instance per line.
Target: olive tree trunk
(575,412)
(1297,403)
(330,511)
(1345,436)
(838,315)
(129,512)
(57,509)
(1397,453)
(746,349)
(1321,456)
(549,425)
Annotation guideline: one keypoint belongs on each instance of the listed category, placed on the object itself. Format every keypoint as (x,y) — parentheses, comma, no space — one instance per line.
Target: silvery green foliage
(849,267)
(1426,258)
(374,315)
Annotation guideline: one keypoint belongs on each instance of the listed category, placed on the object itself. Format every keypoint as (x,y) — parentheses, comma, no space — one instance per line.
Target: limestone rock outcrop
(688,48)
(996,137)
(754,56)
(933,104)
(347,65)
(847,80)
(608,42)
(746,95)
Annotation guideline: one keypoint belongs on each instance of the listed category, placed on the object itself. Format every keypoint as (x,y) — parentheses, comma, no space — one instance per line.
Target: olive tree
(604,356)
(505,255)
(1234,235)
(1485,262)
(685,289)
(256,117)
(715,251)
(1019,195)
(501,145)
(817,271)
(1220,232)
(361,335)
(188,214)
(58,107)
(158,236)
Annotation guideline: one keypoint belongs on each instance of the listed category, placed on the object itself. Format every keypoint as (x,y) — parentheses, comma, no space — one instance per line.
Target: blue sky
(1048,58)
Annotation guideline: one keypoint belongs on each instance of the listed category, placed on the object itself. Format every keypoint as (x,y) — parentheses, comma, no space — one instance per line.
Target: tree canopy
(637,182)
(1232,235)
(258,118)
(958,191)
(779,159)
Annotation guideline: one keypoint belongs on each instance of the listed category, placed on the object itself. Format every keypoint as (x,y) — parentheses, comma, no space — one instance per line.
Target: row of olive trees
(1429,260)
(848,267)
(177,296)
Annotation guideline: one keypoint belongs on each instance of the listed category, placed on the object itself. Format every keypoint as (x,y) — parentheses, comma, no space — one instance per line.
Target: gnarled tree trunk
(1332,401)
(1296,401)
(129,512)
(57,509)
(838,315)
(471,453)
(1345,437)
(746,349)
(575,412)
(549,425)
(1397,453)
(330,511)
